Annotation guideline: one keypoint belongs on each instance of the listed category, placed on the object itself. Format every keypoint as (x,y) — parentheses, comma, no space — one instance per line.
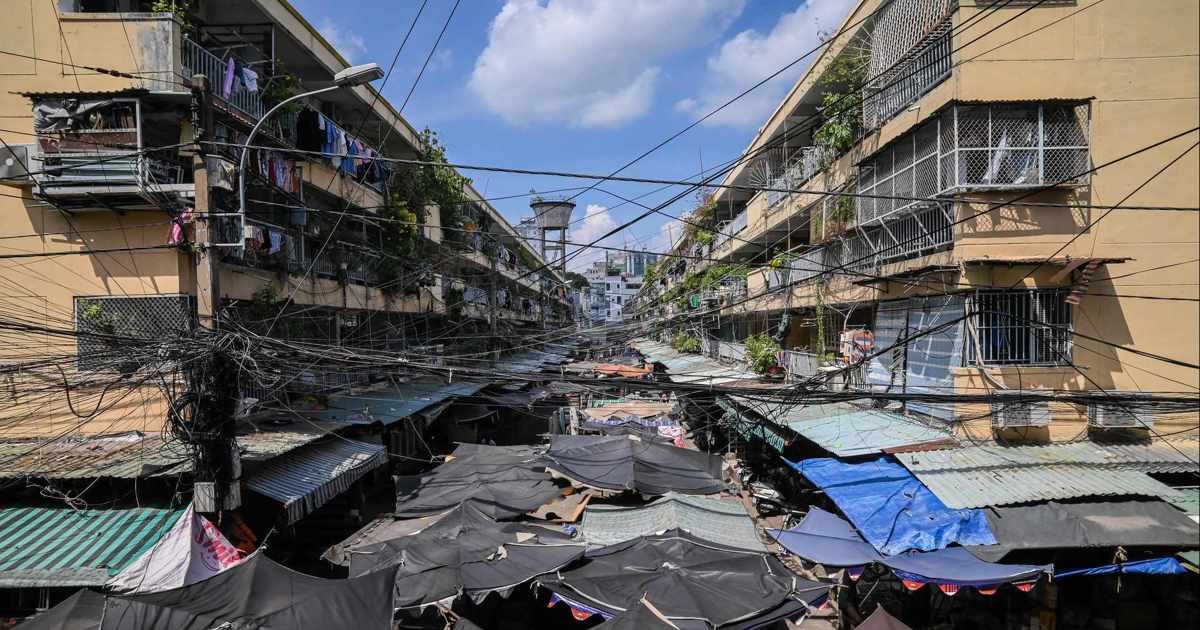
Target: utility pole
(207,275)
(212,383)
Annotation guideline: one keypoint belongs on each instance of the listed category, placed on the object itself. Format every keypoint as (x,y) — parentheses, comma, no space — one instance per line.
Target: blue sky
(584,86)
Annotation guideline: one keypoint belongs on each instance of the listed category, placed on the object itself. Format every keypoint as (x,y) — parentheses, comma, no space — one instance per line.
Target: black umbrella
(502,481)
(629,463)
(465,551)
(643,616)
(690,580)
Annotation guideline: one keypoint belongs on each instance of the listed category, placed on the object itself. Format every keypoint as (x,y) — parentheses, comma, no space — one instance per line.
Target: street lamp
(350,77)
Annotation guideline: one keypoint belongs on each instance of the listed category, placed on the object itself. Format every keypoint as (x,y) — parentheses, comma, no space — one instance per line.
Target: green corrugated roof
(391,404)
(1187,500)
(62,546)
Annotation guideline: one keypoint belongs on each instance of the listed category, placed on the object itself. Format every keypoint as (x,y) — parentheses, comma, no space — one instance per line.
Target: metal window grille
(1022,327)
(151,318)
(925,65)
(977,147)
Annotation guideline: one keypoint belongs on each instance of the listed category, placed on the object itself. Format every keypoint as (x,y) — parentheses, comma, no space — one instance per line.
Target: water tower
(553,216)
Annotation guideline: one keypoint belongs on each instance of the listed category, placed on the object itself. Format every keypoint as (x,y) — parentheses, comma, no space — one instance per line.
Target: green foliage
(180,9)
(650,275)
(94,316)
(421,185)
(577,280)
(761,353)
(841,103)
(705,237)
(281,86)
(683,342)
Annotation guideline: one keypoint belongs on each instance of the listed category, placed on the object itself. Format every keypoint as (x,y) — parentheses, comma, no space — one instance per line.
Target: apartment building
(100,193)
(616,281)
(982,147)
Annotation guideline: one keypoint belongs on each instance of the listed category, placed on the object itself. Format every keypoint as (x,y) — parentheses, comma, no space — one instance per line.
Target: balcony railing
(730,229)
(196,59)
(798,364)
(803,165)
(264,245)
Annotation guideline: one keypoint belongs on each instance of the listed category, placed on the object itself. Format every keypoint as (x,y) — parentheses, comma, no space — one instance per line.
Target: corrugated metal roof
(723,522)
(979,476)
(308,478)
(263,445)
(63,546)
(391,404)
(847,431)
(1188,500)
(125,456)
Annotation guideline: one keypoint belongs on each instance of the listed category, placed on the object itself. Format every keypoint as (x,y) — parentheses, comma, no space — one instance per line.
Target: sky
(585,86)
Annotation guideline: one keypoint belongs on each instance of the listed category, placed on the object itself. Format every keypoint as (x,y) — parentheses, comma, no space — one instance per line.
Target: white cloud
(350,44)
(593,63)
(597,220)
(750,56)
(442,59)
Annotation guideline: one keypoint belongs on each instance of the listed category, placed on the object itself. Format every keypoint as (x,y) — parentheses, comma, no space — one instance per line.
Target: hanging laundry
(177,232)
(249,79)
(230,73)
(309,131)
(276,239)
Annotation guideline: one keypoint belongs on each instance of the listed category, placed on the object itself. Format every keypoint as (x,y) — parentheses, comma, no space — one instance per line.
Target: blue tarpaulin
(827,539)
(891,509)
(1156,566)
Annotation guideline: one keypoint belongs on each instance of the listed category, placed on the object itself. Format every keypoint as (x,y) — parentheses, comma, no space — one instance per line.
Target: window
(153,317)
(991,147)
(1021,327)
(911,52)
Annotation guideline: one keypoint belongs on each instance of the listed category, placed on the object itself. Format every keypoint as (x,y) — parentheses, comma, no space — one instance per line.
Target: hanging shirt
(249,79)
(230,73)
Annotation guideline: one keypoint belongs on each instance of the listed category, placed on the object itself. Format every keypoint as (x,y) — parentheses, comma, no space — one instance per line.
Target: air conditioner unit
(1105,413)
(1017,409)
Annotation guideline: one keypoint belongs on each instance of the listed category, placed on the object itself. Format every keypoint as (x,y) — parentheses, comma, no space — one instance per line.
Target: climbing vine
(841,102)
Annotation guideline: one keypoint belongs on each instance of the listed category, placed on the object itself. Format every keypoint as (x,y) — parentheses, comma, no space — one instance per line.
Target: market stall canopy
(826,539)
(1154,566)
(690,580)
(465,551)
(258,590)
(892,509)
(309,477)
(67,546)
(1115,523)
(628,463)
(643,616)
(503,481)
(724,522)
(881,620)
(625,408)
(979,476)
(847,431)
(388,405)
(81,611)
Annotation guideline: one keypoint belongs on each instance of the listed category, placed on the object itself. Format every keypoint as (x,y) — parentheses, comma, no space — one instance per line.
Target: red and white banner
(191,551)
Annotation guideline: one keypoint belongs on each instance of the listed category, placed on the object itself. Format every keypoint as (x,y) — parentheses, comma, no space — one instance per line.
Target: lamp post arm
(254,131)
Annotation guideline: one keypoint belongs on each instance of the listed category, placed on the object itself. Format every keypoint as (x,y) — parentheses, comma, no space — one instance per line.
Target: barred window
(1022,327)
(976,147)
(153,318)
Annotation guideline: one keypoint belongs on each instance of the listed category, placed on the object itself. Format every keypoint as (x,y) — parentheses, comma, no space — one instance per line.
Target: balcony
(263,245)
(801,167)
(195,59)
(86,148)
